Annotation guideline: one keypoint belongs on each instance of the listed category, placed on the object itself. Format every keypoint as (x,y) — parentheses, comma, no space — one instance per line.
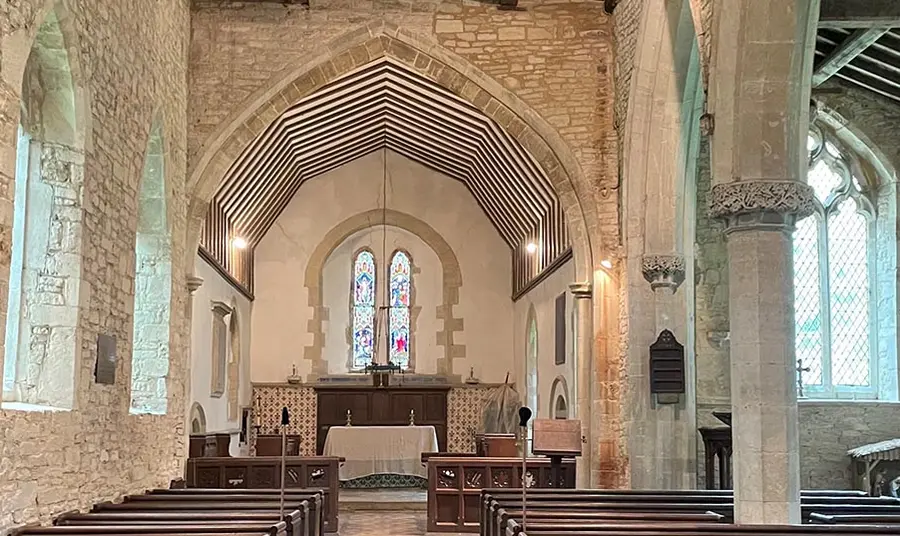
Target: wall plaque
(561,329)
(667,365)
(105,369)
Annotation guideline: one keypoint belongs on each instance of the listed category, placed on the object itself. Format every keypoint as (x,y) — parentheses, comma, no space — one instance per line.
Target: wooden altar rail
(264,472)
(455,485)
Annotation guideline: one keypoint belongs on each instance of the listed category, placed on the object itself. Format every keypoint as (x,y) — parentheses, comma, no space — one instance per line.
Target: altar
(373,450)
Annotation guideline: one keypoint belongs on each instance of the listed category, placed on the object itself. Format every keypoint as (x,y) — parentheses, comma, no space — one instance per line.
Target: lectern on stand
(556,439)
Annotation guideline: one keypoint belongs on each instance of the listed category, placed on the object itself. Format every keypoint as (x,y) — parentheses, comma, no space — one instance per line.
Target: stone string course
(132,56)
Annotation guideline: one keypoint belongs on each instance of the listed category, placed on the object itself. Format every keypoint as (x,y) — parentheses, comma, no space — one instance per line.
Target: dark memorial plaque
(667,365)
(105,369)
(561,329)
(557,437)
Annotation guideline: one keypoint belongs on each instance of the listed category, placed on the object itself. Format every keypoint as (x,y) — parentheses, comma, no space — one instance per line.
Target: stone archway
(576,192)
(197,419)
(451,281)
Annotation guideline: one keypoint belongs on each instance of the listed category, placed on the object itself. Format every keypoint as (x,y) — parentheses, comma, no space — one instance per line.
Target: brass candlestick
(412,417)
(349,418)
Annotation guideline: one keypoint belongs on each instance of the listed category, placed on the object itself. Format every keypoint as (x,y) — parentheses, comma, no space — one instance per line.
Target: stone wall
(129,60)
(557,57)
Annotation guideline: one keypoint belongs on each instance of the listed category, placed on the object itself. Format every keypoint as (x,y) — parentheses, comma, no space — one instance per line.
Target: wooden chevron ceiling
(380,106)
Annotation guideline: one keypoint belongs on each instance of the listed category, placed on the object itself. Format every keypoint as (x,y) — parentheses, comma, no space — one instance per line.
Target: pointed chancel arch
(401,53)
(41,343)
(152,285)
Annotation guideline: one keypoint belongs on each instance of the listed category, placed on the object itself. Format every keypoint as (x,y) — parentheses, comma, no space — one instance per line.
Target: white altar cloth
(372,450)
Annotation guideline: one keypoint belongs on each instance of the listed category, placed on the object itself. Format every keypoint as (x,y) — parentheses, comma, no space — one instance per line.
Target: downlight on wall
(606,263)
(238,243)
(531,247)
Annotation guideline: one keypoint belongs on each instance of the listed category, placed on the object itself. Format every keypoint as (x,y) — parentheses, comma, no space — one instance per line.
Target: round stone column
(584,374)
(759,218)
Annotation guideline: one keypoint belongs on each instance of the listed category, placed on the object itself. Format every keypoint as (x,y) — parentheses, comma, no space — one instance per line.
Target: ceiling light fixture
(238,242)
(531,247)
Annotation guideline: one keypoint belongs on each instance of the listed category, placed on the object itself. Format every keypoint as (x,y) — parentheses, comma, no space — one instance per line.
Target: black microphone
(524,415)
(285,418)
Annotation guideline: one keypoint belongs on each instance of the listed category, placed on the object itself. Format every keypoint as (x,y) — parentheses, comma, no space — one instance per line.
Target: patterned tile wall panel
(301,404)
(464,414)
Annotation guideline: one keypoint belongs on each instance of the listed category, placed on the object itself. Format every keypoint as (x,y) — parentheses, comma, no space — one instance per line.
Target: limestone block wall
(130,61)
(557,57)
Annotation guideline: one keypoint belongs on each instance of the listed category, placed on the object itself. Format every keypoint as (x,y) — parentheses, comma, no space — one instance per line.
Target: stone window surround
(219,363)
(451,280)
(866,162)
(414,309)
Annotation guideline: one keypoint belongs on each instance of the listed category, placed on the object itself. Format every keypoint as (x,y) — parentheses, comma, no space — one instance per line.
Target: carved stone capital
(772,205)
(193,283)
(580,290)
(663,270)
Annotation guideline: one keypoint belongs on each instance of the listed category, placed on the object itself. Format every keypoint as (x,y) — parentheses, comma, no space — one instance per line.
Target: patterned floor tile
(382,524)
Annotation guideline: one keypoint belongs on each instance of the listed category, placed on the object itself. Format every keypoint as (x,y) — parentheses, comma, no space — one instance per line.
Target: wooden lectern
(557,439)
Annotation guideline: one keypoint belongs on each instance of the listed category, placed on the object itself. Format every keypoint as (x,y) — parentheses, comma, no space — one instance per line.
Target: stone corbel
(580,290)
(772,205)
(221,309)
(663,271)
(193,283)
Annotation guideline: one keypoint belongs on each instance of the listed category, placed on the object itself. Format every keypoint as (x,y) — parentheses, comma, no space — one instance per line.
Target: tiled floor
(383,513)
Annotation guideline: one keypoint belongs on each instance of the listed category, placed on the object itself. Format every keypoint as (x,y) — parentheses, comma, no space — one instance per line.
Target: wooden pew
(297,523)
(854,519)
(278,528)
(309,501)
(514,528)
(264,473)
(314,497)
(498,505)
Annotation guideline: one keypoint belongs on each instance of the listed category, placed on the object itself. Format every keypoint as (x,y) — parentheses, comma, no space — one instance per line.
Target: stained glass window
(399,301)
(833,266)
(363,309)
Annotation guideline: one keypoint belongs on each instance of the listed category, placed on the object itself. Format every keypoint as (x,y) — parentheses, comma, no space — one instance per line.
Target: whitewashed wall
(543,298)
(215,288)
(281,312)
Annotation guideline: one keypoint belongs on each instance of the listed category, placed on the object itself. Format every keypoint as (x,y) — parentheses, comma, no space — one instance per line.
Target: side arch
(451,279)
(559,391)
(197,419)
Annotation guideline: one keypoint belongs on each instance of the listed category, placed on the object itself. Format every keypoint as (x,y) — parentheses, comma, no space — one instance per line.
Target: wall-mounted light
(531,247)
(238,242)
(606,263)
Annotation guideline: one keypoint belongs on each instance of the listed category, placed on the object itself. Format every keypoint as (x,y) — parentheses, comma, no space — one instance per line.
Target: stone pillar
(759,116)
(584,374)
(671,463)
(760,216)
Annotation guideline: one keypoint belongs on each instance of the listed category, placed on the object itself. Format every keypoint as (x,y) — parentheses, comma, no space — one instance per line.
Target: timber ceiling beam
(850,48)
(859,13)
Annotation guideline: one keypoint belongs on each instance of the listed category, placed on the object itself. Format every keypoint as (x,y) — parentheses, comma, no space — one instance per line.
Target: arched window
(152,286)
(42,321)
(363,309)
(834,267)
(399,312)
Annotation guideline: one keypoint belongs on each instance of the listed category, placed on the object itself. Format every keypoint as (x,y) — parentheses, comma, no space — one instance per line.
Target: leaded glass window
(399,309)
(363,309)
(833,273)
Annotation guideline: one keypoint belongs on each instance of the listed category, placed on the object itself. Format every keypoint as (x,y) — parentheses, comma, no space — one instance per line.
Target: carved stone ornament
(663,270)
(761,205)
(580,290)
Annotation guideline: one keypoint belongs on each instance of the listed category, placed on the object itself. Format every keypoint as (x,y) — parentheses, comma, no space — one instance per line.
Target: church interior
(581,267)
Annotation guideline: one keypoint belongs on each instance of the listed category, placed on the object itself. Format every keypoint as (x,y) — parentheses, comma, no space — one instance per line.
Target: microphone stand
(285,420)
(524,415)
